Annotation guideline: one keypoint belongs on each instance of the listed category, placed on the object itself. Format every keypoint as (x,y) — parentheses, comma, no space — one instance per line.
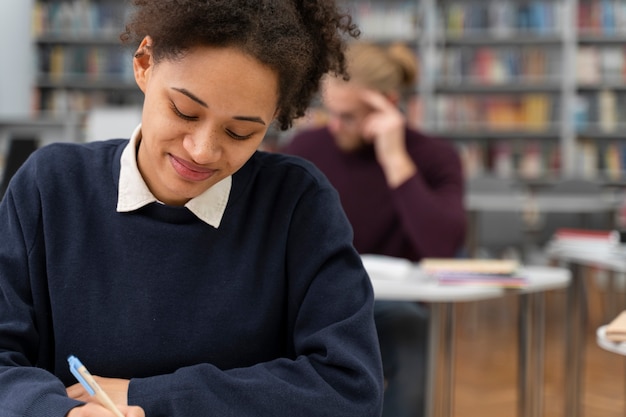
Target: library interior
(526,317)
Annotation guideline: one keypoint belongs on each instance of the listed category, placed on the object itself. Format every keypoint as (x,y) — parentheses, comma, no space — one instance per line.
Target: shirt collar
(133,193)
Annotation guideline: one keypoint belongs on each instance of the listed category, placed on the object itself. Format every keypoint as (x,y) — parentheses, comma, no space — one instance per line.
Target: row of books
(604,159)
(63,101)
(527,64)
(94,61)
(606,17)
(78,18)
(604,111)
(498,65)
(381,20)
(504,112)
(510,158)
(502,17)
(535,159)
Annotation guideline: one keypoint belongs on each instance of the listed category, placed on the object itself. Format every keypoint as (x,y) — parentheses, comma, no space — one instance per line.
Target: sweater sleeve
(430,205)
(335,367)
(26,390)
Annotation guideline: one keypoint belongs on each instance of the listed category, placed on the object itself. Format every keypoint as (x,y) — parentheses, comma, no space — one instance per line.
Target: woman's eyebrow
(250,119)
(191,96)
(203,104)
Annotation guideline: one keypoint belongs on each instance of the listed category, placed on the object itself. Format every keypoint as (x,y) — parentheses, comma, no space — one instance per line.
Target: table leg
(575,319)
(611,296)
(473,229)
(531,339)
(440,386)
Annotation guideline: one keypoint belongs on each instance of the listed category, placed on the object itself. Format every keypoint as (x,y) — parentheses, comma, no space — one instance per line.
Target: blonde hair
(391,68)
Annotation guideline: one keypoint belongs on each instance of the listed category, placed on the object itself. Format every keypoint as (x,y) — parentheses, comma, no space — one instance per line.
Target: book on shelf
(483,272)
(531,164)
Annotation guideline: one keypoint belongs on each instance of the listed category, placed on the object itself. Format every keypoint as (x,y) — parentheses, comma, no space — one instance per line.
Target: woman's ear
(143,63)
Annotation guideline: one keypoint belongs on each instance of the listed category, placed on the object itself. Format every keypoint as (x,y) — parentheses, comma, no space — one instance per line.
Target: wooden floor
(486,359)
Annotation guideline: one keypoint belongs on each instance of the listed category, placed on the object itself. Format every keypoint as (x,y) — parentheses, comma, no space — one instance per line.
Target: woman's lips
(189,171)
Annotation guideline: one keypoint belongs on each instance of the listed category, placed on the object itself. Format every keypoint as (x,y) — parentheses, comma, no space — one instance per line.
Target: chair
(19,150)
(492,228)
(590,217)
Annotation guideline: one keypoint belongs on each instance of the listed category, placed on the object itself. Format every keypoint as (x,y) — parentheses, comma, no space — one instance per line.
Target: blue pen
(89,383)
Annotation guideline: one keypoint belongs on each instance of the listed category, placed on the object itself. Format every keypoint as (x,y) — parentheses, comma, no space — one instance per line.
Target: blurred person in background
(402,192)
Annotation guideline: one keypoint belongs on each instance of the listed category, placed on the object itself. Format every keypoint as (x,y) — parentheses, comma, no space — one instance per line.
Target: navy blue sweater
(268,315)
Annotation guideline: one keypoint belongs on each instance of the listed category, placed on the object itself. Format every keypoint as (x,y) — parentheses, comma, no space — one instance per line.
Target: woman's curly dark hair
(300,39)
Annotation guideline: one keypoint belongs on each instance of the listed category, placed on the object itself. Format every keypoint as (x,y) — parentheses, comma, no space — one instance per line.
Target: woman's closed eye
(182,115)
(188,118)
(236,136)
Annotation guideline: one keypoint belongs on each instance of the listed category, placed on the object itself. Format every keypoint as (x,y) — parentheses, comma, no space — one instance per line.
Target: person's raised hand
(385,126)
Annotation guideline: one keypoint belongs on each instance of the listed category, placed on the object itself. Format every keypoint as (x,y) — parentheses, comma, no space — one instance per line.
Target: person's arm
(431,210)
(25,389)
(432,213)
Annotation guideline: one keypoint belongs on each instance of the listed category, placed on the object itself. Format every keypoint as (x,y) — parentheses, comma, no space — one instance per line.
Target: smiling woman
(204,276)
(208,112)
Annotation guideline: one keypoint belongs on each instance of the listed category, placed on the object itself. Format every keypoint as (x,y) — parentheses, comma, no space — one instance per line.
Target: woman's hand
(384,126)
(115,388)
(96,410)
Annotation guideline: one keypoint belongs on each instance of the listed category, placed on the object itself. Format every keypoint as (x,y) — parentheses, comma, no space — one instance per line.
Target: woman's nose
(203,146)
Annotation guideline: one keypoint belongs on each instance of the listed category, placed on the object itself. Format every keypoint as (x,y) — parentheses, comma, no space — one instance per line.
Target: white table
(577,258)
(531,336)
(401,280)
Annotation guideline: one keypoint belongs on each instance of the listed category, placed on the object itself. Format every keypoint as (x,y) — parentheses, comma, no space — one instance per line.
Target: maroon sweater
(423,217)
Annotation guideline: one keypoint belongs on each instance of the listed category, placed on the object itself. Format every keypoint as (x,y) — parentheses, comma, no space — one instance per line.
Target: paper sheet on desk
(387,267)
(616,329)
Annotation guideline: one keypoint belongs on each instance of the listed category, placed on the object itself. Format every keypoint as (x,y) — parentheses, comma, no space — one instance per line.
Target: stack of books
(588,240)
(486,272)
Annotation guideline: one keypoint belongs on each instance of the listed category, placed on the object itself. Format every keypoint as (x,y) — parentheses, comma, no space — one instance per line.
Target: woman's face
(203,117)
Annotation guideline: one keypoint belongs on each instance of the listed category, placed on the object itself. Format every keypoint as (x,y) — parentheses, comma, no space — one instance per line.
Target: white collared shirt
(133,193)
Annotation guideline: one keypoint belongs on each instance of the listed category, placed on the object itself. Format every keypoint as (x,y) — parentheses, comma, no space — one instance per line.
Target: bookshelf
(499,86)
(78,58)
(534,90)
(567,57)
